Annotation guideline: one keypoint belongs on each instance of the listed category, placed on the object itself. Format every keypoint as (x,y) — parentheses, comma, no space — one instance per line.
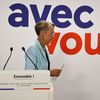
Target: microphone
(11,49)
(29,58)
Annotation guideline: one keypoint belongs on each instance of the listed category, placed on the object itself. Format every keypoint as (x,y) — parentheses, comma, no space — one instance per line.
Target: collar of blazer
(40,48)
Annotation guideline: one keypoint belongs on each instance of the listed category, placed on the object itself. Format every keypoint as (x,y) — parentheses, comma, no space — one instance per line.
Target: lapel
(40,48)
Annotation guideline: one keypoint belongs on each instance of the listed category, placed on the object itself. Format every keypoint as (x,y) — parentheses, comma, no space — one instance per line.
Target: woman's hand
(55,72)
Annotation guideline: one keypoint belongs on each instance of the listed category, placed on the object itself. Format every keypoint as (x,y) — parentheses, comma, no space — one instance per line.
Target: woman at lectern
(37,57)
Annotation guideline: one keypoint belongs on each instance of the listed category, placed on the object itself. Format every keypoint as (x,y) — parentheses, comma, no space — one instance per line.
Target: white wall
(79,79)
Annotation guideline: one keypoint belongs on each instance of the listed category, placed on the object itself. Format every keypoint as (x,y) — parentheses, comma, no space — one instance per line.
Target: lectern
(25,85)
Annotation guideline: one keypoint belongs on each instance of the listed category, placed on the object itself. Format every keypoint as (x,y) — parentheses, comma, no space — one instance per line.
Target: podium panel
(25,85)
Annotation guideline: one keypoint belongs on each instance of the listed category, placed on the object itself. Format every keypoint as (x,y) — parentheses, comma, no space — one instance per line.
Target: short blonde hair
(42,25)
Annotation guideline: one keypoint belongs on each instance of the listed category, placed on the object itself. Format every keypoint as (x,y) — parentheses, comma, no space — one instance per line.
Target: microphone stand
(11,49)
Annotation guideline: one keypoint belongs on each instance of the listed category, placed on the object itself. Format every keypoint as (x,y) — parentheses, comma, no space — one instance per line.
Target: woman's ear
(42,32)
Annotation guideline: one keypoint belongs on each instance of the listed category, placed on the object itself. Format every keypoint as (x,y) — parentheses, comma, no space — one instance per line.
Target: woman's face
(48,34)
